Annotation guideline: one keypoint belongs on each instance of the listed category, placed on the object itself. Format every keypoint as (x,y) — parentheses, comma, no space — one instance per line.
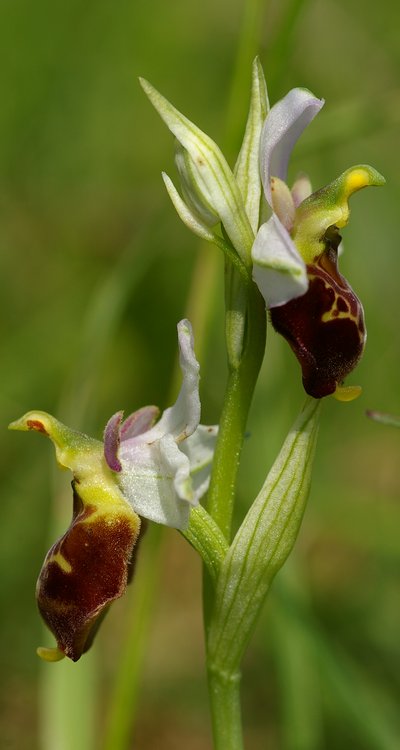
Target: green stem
(224,691)
(207,539)
(238,395)
(224,688)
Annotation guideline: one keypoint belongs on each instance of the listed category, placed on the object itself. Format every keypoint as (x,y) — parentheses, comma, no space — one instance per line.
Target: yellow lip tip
(360,177)
(357,179)
(49,654)
(347,393)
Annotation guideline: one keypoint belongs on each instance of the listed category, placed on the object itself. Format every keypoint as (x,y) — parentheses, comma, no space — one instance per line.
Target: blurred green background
(96,270)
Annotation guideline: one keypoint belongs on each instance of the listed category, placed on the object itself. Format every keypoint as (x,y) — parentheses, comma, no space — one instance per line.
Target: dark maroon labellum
(83,573)
(325,326)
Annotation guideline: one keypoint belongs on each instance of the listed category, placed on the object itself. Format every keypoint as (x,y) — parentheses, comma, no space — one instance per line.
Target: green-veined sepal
(262,543)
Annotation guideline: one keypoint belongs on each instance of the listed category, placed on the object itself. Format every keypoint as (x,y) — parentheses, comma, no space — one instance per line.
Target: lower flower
(143,469)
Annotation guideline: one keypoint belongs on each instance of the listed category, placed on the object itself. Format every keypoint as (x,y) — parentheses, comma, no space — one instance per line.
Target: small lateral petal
(301,189)
(282,202)
(278,270)
(139,421)
(112,441)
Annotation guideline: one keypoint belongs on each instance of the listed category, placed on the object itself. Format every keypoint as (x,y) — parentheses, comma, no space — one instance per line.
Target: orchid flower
(155,470)
(295,255)
(292,257)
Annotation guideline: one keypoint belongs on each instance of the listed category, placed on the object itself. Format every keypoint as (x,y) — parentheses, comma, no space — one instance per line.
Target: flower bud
(194,189)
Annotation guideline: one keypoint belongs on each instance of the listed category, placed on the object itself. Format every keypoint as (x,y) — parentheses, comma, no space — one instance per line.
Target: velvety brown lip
(324,327)
(84,571)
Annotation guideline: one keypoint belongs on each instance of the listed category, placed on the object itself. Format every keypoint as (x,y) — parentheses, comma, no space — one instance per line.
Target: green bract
(263,542)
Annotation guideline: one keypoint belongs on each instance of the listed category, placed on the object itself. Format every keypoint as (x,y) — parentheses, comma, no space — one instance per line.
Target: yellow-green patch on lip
(329,207)
(74,450)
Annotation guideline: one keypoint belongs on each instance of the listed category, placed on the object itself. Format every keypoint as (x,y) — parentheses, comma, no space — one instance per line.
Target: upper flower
(295,254)
(292,257)
(157,471)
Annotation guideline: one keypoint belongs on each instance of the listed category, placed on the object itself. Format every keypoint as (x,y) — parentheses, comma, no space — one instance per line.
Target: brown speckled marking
(99,552)
(325,327)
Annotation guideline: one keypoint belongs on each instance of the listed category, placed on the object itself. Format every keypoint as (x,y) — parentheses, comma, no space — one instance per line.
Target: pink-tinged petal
(285,123)
(282,203)
(278,270)
(139,421)
(112,441)
(301,189)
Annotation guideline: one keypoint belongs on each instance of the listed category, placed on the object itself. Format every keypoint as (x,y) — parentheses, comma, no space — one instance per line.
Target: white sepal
(278,270)
(199,449)
(284,125)
(165,470)
(182,419)
(149,479)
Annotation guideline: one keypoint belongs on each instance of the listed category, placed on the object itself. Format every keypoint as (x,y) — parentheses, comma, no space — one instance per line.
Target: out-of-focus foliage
(95,271)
